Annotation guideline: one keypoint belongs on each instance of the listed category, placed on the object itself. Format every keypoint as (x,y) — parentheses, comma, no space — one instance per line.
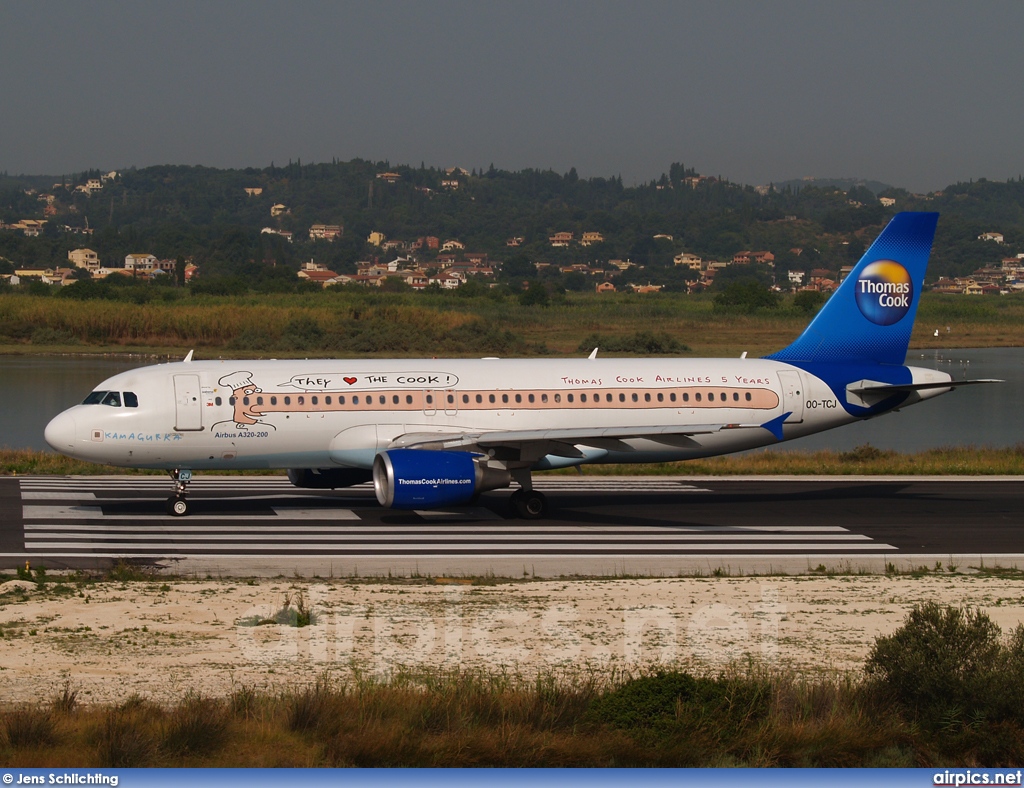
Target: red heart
(350,381)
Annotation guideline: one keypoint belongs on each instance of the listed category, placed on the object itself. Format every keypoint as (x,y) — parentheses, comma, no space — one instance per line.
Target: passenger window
(232,401)
(430,399)
(315,401)
(711,396)
(686,397)
(735,396)
(479,398)
(543,397)
(219,401)
(635,397)
(287,400)
(302,400)
(245,400)
(273,400)
(608,397)
(490,398)
(697,396)
(672,396)
(568,397)
(661,397)
(647,396)
(382,399)
(327,400)
(583,397)
(558,397)
(519,398)
(130,400)
(622,397)
(355,400)
(504,397)
(531,398)
(95,398)
(341,400)
(747,396)
(451,399)
(408,399)
(259,400)
(465,399)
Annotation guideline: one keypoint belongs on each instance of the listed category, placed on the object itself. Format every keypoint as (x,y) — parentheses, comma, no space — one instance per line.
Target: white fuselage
(341,413)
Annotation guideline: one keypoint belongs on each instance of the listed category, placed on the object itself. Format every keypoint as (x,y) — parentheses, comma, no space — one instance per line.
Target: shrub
(943,662)
(27,726)
(196,726)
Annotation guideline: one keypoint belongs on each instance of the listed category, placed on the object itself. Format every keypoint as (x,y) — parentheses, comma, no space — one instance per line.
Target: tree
(746,295)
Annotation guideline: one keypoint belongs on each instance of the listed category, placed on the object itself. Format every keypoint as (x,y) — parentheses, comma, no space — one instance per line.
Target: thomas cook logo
(884,292)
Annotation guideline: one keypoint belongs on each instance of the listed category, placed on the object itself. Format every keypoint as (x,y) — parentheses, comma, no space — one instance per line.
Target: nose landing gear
(177,504)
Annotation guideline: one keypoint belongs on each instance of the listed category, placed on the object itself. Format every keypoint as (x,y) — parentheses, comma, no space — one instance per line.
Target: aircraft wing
(563,441)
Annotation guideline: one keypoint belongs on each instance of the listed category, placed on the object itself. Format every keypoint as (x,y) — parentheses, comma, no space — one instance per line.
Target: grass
(864,460)
(748,717)
(405,325)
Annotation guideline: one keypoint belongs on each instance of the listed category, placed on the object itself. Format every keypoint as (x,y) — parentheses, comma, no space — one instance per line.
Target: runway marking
(176,524)
(305,513)
(469,513)
(59,512)
(311,522)
(429,549)
(28,495)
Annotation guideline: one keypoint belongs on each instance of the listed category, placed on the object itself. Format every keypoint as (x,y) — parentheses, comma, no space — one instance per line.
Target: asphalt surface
(594,526)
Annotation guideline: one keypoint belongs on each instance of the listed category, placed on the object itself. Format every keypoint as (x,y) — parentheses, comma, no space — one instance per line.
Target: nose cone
(60,432)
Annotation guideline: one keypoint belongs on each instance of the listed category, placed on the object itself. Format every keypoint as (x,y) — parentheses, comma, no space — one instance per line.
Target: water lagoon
(35,388)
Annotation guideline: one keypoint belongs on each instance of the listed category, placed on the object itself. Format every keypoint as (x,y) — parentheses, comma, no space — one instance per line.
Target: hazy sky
(917,94)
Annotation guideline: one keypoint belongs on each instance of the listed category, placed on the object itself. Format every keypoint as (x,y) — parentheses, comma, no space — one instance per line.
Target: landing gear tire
(529,504)
(177,506)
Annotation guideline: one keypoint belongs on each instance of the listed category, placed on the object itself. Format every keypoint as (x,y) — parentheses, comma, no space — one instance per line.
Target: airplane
(438,433)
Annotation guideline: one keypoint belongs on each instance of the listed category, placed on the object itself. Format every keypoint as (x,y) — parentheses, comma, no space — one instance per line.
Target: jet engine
(328,478)
(424,479)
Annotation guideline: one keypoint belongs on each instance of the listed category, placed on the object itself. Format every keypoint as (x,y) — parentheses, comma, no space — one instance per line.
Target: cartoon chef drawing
(241,386)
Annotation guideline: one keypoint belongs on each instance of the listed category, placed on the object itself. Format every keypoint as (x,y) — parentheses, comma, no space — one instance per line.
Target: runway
(596,526)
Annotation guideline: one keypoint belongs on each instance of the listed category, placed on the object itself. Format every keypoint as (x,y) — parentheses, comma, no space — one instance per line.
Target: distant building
(997,237)
(254,191)
(605,287)
(590,238)
(325,232)
(84,258)
(376,238)
(888,202)
(691,261)
(389,177)
(278,209)
(561,239)
(139,262)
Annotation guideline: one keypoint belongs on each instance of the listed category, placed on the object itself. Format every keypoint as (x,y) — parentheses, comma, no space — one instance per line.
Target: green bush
(948,664)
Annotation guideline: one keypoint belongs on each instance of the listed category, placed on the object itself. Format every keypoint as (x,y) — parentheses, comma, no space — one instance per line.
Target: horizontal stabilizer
(874,387)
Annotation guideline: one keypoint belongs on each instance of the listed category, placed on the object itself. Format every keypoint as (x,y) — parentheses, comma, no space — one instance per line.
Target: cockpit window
(130,400)
(113,399)
(94,398)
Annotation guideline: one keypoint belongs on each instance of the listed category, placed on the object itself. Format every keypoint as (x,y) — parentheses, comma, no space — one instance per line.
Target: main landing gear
(527,502)
(177,504)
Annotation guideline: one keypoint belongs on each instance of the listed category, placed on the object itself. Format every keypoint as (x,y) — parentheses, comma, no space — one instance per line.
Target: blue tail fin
(870,317)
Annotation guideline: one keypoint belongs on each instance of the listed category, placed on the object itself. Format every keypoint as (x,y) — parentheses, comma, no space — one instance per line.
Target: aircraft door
(188,406)
(451,403)
(792,395)
(429,402)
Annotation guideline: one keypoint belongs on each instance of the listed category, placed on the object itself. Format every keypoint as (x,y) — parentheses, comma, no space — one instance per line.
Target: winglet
(593,354)
(775,425)
(188,358)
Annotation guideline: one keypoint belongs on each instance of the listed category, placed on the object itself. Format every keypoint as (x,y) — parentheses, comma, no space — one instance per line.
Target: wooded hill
(206,215)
